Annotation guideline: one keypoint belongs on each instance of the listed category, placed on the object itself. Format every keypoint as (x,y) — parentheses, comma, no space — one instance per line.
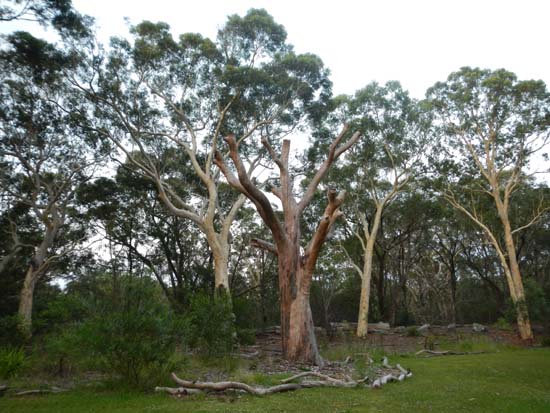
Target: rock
(379,326)
(400,329)
(423,328)
(479,328)
(451,326)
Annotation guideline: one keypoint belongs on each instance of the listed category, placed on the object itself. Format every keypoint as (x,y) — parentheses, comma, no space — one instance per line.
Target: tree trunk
(513,274)
(380,285)
(297,329)
(26,302)
(36,268)
(363,318)
(517,292)
(221,271)
(452,281)
(295,268)
(220,255)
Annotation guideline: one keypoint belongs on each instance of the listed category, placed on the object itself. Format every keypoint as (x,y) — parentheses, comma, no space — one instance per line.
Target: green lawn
(509,381)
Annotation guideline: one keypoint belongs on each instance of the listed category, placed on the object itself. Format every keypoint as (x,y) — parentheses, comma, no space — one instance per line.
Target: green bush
(503,324)
(134,334)
(412,331)
(246,336)
(12,361)
(10,333)
(212,325)
(538,304)
(545,342)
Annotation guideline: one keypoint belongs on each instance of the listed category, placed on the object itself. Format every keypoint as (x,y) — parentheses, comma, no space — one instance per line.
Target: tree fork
(295,269)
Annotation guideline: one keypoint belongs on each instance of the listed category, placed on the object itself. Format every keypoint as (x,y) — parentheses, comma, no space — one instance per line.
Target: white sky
(417,42)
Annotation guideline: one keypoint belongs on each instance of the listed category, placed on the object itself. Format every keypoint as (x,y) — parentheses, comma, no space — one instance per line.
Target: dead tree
(295,265)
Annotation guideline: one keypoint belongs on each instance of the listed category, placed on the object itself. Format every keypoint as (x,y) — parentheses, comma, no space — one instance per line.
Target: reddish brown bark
(295,266)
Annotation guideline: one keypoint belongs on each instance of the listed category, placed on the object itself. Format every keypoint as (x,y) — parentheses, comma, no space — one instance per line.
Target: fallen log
(177,391)
(40,391)
(327,380)
(447,353)
(389,374)
(234,385)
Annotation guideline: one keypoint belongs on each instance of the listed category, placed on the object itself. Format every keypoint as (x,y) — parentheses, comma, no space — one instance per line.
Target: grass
(506,381)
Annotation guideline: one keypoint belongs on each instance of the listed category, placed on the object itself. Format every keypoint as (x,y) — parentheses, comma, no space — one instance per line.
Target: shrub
(10,333)
(133,335)
(545,342)
(246,336)
(503,324)
(412,331)
(212,325)
(12,360)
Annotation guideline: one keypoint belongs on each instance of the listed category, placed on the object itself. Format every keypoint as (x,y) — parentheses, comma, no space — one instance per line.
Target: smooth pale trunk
(26,302)
(363,318)
(32,275)
(513,275)
(517,292)
(220,254)
(221,273)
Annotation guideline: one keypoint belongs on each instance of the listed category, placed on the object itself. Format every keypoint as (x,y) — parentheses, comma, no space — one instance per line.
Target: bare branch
(334,153)
(264,245)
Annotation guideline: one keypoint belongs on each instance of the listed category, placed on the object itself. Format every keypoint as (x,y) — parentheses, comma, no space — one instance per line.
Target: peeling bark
(295,267)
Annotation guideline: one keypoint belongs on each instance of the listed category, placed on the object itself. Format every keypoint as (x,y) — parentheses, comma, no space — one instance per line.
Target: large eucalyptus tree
(491,126)
(156,92)
(45,150)
(381,167)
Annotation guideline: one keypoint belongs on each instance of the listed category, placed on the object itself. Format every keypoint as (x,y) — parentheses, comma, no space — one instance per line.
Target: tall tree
(296,262)
(388,158)
(491,127)
(158,93)
(44,149)
(58,14)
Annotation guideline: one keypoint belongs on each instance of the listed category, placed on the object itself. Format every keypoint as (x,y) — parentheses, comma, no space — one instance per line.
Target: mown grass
(506,381)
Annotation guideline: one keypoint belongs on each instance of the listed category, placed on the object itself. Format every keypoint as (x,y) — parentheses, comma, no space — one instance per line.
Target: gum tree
(46,154)
(157,93)
(296,260)
(381,167)
(491,126)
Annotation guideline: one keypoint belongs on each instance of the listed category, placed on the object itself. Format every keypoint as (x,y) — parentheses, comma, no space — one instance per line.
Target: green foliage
(133,333)
(211,325)
(538,303)
(12,361)
(503,324)
(10,334)
(246,336)
(545,342)
(412,331)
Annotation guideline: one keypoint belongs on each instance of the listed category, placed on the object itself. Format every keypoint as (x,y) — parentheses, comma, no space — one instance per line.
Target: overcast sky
(417,42)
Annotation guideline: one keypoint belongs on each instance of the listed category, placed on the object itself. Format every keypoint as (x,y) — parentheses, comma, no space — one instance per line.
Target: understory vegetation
(504,381)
